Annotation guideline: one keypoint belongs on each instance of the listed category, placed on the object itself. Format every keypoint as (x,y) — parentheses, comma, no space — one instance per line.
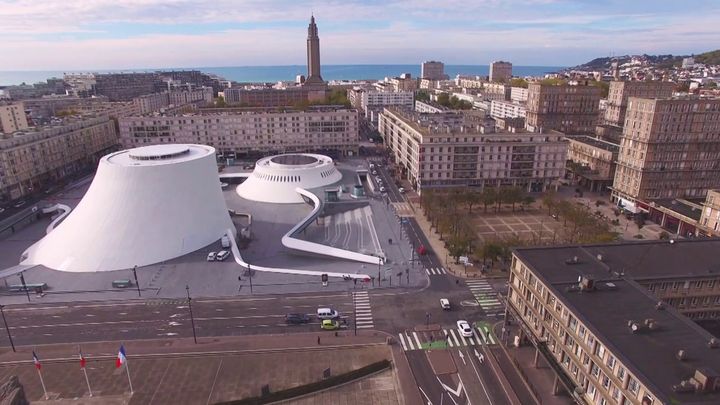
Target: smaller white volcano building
(144,206)
(276,178)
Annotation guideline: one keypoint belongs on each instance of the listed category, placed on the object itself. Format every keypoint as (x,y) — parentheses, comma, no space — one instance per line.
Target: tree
(219,102)
(513,195)
(527,201)
(422,95)
(471,198)
(549,200)
(604,87)
(519,82)
(487,197)
(443,99)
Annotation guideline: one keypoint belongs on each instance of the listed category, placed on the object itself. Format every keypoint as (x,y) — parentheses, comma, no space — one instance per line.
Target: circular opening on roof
(158,152)
(293,160)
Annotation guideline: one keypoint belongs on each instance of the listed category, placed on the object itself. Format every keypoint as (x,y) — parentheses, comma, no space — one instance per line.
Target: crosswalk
(486,297)
(435,271)
(363,311)
(450,338)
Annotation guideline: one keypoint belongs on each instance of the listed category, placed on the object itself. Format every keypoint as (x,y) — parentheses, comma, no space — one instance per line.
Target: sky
(124,34)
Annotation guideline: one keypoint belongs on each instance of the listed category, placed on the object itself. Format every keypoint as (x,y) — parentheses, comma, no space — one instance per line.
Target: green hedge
(312,387)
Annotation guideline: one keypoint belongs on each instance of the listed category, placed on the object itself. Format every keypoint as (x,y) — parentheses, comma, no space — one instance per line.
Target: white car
(382,189)
(401,190)
(444,303)
(211,256)
(464,328)
(222,255)
(374,172)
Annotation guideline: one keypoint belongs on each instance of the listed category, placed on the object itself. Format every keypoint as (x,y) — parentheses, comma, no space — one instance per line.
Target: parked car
(297,319)
(2,210)
(464,328)
(211,256)
(382,189)
(225,242)
(19,204)
(401,190)
(444,303)
(222,255)
(330,324)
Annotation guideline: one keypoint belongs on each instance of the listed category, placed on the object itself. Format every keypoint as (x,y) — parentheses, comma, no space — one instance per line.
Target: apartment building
(433,70)
(572,109)
(157,101)
(591,161)
(372,102)
(518,94)
(670,148)
(403,83)
(709,222)
(126,86)
(454,149)
(621,91)
(500,71)
(12,118)
(429,107)
(250,131)
(34,159)
(602,317)
(269,97)
(507,109)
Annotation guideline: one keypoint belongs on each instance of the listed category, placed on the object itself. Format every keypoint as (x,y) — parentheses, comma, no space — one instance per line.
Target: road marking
(427,271)
(463,339)
(410,343)
(484,339)
(402,341)
(452,333)
(444,271)
(417,340)
(447,338)
(370,326)
(364,322)
(471,341)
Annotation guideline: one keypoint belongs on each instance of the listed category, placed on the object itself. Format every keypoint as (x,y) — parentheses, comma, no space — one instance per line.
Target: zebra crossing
(486,297)
(435,271)
(450,338)
(363,312)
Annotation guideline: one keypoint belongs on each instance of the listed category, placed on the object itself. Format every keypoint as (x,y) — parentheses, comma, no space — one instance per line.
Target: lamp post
(192,319)
(427,318)
(137,284)
(250,277)
(27,292)
(7,328)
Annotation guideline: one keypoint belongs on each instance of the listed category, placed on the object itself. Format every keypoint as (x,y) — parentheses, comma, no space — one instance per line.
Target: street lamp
(427,318)
(192,319)
(250,277)
(7,328)
(27,292)
(137,284)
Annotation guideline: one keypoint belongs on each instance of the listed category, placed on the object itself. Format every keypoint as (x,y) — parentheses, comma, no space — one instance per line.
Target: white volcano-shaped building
(276,178)
(144,206)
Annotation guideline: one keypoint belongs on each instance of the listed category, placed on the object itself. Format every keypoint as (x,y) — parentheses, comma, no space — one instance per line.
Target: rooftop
(650,353)
(690,209)
(596,143)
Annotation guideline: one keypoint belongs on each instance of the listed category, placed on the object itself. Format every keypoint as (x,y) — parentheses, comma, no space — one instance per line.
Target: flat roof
(650,354)
(681,207)
(597,143)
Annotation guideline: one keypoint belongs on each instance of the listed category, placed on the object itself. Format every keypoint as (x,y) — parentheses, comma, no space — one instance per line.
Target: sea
(271,74)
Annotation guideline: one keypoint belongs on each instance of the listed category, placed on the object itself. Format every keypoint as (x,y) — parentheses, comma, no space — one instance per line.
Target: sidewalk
(179,371)
(539,379)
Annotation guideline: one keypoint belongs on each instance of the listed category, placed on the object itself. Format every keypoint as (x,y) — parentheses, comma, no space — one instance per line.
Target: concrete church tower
(314,79)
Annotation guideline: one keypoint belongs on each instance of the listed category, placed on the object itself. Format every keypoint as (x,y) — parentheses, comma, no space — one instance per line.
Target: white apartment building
(12,118)
(454,149)
(157,101)
(250,131)
(506,109)
(428,107)
(519,94)
(371,102)
(32,159)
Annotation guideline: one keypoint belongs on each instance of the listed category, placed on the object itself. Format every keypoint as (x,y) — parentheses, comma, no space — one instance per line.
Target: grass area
(437,344)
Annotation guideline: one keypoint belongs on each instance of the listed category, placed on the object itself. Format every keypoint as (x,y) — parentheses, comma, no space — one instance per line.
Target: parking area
(533,225)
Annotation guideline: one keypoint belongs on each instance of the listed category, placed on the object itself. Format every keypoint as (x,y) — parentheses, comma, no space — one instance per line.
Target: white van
(327,313)
(222,255)
(225,241)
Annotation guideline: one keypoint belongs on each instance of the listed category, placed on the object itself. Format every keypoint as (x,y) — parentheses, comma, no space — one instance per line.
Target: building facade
(372,102)
(572,109)
(591,161)
(621,91)
(33,160)
(429,107)
(463,149)
(12,118)
(518,94)
(599,316)
(500,71)
(432,70)
(506,109)
(250,132)
(710,217)
(670,148)
(126,86)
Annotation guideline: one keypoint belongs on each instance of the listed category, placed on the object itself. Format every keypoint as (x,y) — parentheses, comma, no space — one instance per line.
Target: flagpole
(127,368)
(82,364)
(42,382)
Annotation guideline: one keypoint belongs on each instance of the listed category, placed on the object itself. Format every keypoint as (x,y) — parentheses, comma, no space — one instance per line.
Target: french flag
(36,361)
(121,358)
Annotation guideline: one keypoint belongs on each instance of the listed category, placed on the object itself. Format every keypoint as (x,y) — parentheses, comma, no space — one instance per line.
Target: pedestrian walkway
(486,296)
(363,311)
(436,271)
(450,338)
